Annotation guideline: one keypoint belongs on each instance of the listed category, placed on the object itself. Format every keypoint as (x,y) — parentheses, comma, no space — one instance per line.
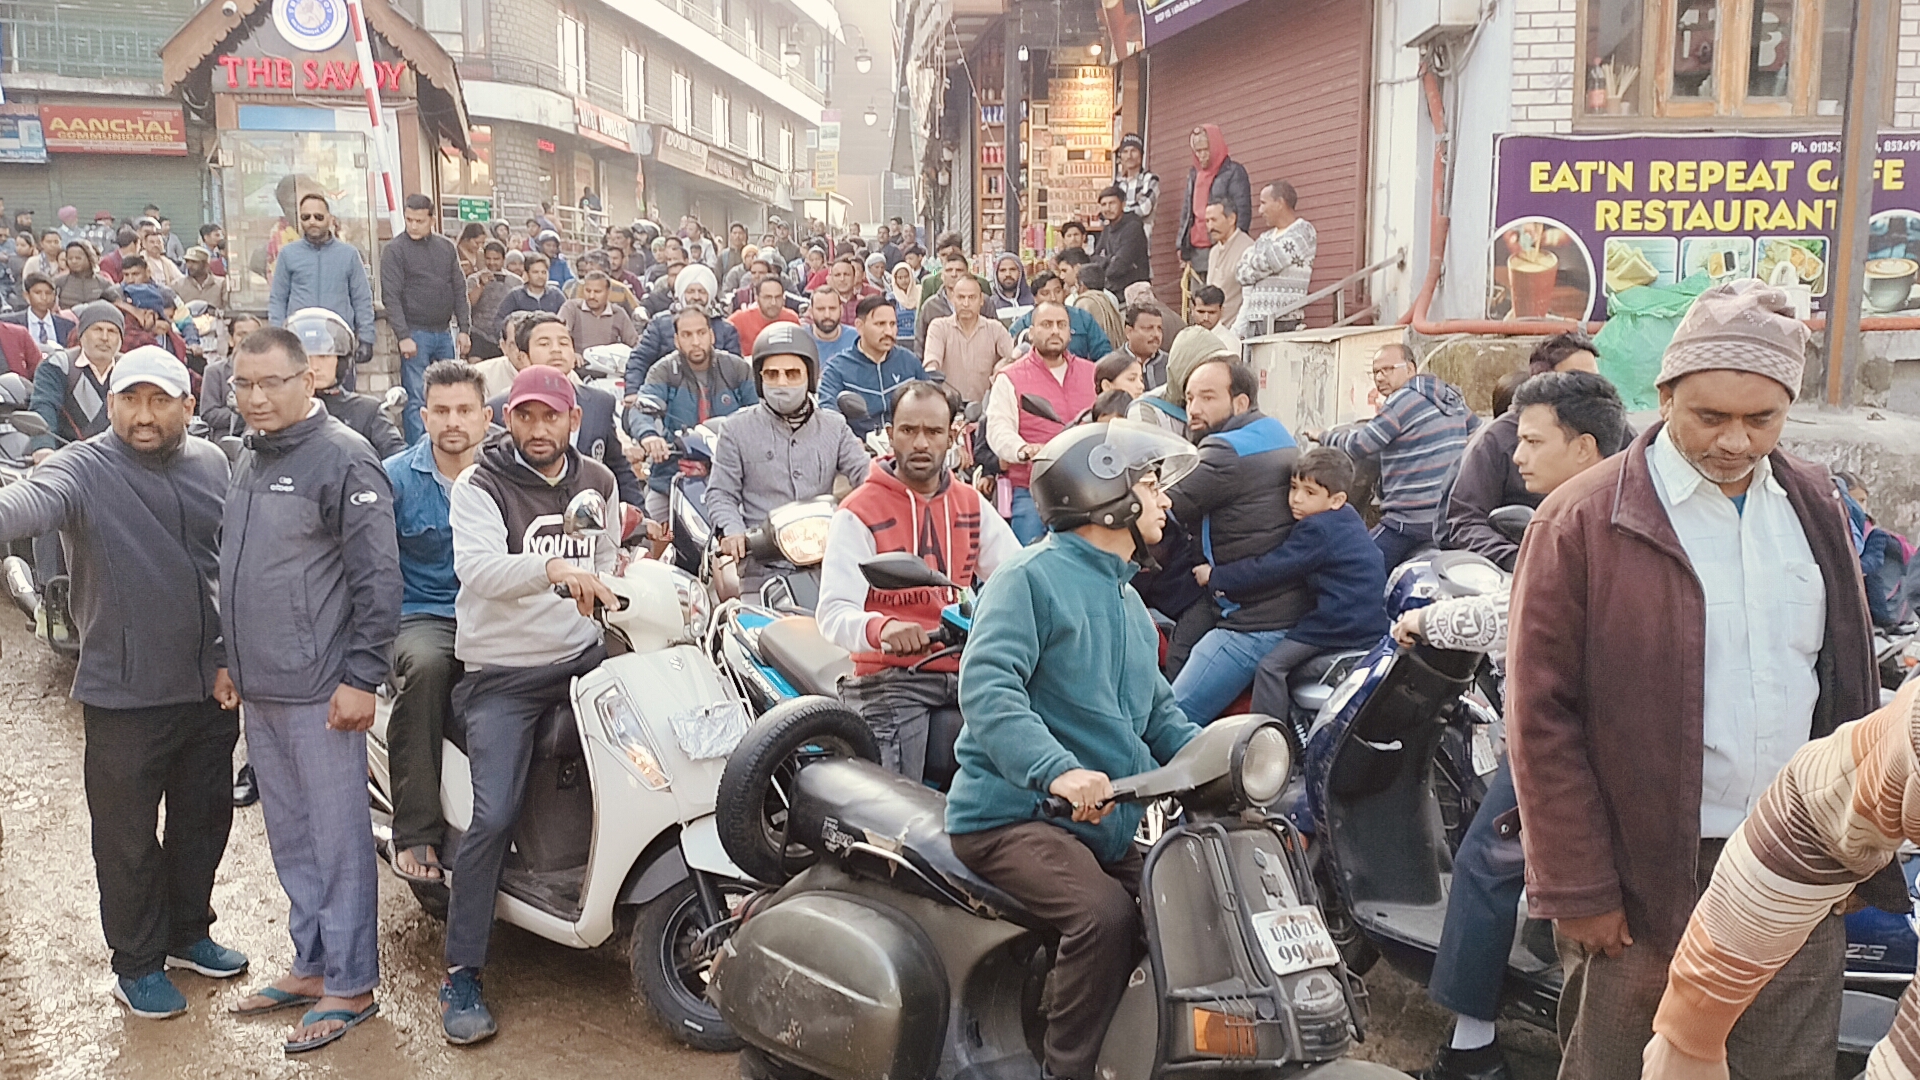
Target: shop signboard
(1161,19)
(604,126)
(21,142)
(826,171)
(1579,219)
(274,61)
(107,129)
(472,209)
(689,154)
(830,136)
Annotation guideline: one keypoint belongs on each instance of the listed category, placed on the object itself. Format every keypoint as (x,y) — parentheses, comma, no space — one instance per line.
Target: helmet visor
(1135,449)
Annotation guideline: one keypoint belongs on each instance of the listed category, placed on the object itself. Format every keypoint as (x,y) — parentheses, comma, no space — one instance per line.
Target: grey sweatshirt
(761,464)
(142,534)
(310,561)
(506,522)
(422,286)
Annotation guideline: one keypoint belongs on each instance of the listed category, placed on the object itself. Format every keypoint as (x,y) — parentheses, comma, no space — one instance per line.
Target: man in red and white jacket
(909,503)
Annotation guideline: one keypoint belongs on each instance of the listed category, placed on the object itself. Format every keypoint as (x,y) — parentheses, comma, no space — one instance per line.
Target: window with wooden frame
(1703,60)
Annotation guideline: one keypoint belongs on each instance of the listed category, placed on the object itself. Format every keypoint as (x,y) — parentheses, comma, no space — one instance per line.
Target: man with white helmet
(328,341)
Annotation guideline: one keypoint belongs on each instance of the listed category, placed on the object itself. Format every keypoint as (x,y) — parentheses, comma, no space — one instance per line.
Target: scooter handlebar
(1053,806)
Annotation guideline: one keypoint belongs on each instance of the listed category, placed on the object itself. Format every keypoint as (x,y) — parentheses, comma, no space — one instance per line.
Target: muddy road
(562,1012)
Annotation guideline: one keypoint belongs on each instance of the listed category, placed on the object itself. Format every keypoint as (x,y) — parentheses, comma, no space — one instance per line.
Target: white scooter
(617,826)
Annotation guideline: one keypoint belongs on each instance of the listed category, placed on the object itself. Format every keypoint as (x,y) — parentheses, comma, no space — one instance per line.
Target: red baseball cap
(538,382)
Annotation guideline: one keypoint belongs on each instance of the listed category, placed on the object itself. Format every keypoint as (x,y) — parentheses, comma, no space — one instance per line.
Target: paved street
(562,1013)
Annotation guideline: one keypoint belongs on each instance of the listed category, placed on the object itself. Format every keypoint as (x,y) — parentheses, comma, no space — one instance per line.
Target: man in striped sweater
(1418,435)
(1834,816)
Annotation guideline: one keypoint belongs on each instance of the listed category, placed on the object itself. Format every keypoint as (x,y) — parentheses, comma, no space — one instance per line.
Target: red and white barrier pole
(376,118)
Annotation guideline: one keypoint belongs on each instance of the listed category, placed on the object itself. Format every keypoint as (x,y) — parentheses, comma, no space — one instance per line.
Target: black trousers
(424,672)
(156,895)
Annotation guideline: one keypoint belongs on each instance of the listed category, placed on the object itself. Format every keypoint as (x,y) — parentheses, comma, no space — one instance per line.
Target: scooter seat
(874,821)
(797,649)
(1314,669)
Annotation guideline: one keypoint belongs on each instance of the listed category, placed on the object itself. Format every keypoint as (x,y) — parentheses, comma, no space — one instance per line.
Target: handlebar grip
(938,636)
(1053,806)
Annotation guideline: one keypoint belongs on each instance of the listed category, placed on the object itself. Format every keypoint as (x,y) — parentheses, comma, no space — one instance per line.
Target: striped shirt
(1835,815)
(1418,435)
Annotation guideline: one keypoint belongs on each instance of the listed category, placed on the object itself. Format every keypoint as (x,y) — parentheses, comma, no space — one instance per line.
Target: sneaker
(463,1016)
(151,997)
(213,960)
(1483,1063)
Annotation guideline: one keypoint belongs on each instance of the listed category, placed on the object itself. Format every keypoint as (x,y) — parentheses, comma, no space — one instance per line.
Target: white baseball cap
(150,364)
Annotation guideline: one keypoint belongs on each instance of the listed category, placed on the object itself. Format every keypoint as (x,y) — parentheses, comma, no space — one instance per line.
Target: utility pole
(1013,94)
(1859,146)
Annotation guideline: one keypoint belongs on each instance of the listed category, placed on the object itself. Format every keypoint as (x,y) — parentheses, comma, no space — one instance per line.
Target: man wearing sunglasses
(323,271)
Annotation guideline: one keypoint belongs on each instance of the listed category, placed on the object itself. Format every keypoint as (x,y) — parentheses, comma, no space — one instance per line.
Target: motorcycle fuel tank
(836,986)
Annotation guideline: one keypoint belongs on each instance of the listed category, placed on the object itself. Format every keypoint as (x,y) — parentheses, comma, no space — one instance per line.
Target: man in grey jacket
(780,450)
(139,508)
(323,271)
(310,598)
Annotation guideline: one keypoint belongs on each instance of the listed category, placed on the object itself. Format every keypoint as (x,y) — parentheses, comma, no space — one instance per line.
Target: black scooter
(883,957)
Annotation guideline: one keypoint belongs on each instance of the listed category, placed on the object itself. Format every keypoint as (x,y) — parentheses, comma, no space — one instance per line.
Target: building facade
(660,108)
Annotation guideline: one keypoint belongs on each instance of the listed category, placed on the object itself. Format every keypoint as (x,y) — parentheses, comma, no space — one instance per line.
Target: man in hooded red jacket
(910,502)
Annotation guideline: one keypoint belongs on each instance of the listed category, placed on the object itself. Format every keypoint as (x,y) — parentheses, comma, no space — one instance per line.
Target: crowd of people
(1054,433)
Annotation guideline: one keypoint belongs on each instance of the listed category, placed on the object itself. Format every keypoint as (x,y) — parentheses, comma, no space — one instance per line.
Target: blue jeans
(1026,523)
(1399,539)
(1488,873)
(429,346)
(1219,668)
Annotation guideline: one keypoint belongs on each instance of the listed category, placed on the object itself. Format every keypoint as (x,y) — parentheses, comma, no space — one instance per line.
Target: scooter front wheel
(751,804)
(671,957)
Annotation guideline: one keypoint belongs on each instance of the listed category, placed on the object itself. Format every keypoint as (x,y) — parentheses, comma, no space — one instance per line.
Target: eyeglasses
(313,217)
(1389,369)
(272,384)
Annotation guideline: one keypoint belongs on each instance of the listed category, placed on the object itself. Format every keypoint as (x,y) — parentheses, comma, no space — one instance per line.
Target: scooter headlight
(804,542)
(1261,763)
(626,734)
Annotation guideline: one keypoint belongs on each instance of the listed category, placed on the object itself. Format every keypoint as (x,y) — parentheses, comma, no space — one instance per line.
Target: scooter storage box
(1209,893)
(837,987)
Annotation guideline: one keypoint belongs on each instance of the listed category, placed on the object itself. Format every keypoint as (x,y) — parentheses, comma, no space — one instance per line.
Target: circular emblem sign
(311,25)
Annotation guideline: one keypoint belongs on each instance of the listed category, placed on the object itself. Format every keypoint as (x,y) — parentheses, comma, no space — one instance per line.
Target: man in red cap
(522,644)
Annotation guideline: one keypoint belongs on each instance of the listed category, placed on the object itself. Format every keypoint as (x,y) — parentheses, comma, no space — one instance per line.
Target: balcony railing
(701,15)
(84,42)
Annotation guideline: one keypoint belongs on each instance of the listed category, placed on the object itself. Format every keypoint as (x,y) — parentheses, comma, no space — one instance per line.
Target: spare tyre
(751,804)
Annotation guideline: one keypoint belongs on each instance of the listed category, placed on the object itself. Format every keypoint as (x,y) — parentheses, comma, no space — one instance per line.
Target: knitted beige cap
(1744,325)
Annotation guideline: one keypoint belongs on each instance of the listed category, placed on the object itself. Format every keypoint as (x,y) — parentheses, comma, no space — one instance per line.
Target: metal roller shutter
(94,182)
(1287,82)
(25,187)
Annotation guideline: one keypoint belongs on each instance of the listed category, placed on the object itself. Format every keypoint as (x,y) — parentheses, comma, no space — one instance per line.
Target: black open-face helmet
(1085,474)
(786,339)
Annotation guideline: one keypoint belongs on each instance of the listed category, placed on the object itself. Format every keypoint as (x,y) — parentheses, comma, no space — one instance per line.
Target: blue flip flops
(281,1000)
(348,1020)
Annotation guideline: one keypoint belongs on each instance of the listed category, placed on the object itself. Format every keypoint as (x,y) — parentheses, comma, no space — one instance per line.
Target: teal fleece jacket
(1060,672)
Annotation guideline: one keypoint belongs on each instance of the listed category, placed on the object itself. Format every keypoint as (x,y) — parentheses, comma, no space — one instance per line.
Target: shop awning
(187,59)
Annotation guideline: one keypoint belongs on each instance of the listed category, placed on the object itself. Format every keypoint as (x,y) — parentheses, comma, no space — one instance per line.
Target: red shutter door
(1287,81)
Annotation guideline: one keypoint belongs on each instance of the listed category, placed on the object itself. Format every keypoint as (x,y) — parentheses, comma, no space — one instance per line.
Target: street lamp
(1023,54)
(1094,49)
(871,116)
(863,60)
(792,53)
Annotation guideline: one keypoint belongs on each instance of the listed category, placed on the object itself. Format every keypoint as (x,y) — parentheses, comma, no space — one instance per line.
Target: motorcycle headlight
(804,542)
(625,733)
(1260,764)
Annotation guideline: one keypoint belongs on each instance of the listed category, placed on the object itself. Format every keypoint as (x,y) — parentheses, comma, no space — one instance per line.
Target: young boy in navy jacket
(1330,550)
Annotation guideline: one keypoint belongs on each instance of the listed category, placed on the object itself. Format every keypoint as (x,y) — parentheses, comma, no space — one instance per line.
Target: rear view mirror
(29,423)
(586,516)
(650,405)
(902,570)
(1038,406)
(1511,521)
(852,404)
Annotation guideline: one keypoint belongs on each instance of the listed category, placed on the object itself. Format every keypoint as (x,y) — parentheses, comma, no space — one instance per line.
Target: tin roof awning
(187,59)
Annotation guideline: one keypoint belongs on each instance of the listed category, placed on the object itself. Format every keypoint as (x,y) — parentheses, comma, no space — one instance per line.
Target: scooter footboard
(1247,972)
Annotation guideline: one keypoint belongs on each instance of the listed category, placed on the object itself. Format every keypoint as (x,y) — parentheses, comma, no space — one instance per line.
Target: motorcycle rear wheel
(670,972)
(752,800)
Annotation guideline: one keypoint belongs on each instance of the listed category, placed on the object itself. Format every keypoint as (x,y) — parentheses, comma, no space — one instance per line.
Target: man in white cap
(1685,616)
(694,287)
(139,507)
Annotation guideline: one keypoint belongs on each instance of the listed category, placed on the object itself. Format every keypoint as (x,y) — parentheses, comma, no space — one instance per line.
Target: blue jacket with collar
(854,370)
(670,381)
(420,510)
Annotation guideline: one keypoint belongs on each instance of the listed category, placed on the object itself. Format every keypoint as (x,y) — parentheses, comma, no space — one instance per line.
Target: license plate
(1484,761)
(1294,939)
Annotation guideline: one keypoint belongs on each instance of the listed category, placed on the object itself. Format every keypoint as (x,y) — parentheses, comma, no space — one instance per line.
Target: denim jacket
(420,511)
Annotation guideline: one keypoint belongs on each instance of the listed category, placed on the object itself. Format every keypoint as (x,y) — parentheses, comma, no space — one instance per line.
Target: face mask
(785,400)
